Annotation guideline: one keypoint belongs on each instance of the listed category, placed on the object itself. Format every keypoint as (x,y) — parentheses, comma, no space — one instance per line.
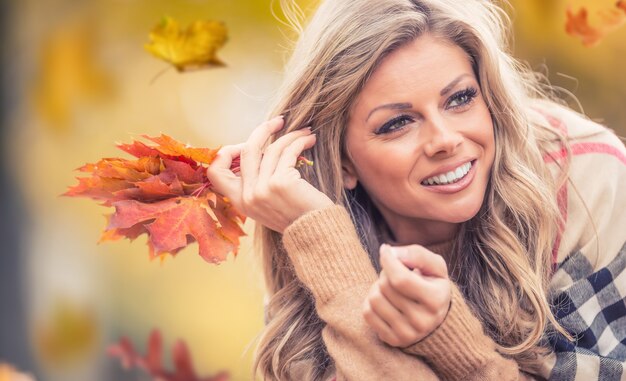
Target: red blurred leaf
(577,23)
(152,361)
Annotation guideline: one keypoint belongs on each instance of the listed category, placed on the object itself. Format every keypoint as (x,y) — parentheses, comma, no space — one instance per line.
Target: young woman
(457,223)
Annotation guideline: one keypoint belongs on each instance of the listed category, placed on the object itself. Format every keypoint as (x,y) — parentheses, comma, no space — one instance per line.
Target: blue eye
(394,124)
(462,98)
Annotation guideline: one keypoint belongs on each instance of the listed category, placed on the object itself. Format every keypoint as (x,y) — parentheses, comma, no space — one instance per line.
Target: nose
(442,140)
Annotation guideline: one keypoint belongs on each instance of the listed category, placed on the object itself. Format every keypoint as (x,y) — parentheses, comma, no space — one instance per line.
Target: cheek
(375,163)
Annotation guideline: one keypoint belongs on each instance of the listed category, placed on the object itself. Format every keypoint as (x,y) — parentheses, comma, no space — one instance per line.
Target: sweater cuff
(326,252)
(458,347)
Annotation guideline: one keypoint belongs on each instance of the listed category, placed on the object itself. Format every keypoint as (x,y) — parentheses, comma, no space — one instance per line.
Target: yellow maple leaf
(192,48)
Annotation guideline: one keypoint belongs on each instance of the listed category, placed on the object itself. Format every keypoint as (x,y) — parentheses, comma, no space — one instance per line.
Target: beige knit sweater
(329,259)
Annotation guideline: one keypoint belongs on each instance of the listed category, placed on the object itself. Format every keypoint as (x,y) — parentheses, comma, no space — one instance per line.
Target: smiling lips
(450,177)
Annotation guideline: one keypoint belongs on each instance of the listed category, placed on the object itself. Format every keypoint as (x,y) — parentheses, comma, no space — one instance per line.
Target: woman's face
(420,141)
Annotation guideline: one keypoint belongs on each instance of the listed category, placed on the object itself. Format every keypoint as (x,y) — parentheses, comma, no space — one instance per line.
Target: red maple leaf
(165,194)
(152,361)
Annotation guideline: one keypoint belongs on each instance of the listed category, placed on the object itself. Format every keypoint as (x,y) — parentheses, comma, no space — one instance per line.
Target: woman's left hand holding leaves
(269,188)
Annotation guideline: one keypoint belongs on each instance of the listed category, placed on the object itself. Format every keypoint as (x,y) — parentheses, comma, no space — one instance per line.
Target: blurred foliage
(69,334)
(593,75)
(83,81)
(68,74)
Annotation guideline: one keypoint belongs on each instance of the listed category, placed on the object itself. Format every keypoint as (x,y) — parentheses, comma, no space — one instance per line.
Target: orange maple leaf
(174,223)
(192,48)
(152,361)
(577,24)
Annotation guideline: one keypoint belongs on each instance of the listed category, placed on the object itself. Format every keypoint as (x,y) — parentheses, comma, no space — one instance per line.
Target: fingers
(406,282)
(410,310)
(223,180)
(252,151)
(273,153)
(382,329)
(291,153)
(418,257)
(384,319)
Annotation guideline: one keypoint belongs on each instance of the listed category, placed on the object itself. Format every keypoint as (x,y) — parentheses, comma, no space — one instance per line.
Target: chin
(464,213)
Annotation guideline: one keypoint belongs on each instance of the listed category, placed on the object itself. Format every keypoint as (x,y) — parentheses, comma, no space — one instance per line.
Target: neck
(425,233)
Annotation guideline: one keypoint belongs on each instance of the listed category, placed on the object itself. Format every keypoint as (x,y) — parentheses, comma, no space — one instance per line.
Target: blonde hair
(506,261)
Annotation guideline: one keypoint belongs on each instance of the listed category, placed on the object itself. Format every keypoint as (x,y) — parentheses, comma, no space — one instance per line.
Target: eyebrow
(406,105)
(451,85)
(392,106)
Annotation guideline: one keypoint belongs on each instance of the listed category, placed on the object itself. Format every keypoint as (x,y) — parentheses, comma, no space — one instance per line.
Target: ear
(348,172)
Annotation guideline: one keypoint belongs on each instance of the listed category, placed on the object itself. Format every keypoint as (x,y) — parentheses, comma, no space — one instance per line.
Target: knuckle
(418,322)
(400,282)
(376,299)
(392,340)
(415,320)
(274,185)
(262,195)
(406,336)
(247,149)
(247,198)
(386,287)
(368,313)
(441,264)
(251,199)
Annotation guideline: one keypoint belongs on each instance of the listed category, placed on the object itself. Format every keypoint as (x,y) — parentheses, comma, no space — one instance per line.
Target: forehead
(425,64)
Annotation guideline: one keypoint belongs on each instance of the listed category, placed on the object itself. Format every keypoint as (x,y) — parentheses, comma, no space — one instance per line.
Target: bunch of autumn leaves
(165,193)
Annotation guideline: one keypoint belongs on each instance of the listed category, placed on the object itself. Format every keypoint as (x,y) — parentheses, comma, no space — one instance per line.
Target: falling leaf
(193,48)
(8,373)
(69,73)
(577,24)
(152,362)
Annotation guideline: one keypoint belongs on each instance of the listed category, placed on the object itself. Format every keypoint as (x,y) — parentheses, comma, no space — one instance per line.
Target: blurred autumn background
(76,79)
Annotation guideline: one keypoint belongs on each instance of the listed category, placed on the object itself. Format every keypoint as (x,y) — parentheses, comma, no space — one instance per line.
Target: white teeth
(459,172)
(449,177)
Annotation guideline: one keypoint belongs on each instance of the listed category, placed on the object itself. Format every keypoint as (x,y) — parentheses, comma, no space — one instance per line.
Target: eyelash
(469,92)
(394,124)
(397,123)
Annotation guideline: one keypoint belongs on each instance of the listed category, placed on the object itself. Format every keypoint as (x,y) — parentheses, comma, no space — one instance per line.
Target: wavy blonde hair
(505,263)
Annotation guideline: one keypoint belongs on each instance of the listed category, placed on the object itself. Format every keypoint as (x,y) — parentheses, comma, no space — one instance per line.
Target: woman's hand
(269,189)
(404,306)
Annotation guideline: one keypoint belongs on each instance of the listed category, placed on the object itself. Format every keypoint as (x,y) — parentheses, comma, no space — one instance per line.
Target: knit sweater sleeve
(329,260)
(460,350)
